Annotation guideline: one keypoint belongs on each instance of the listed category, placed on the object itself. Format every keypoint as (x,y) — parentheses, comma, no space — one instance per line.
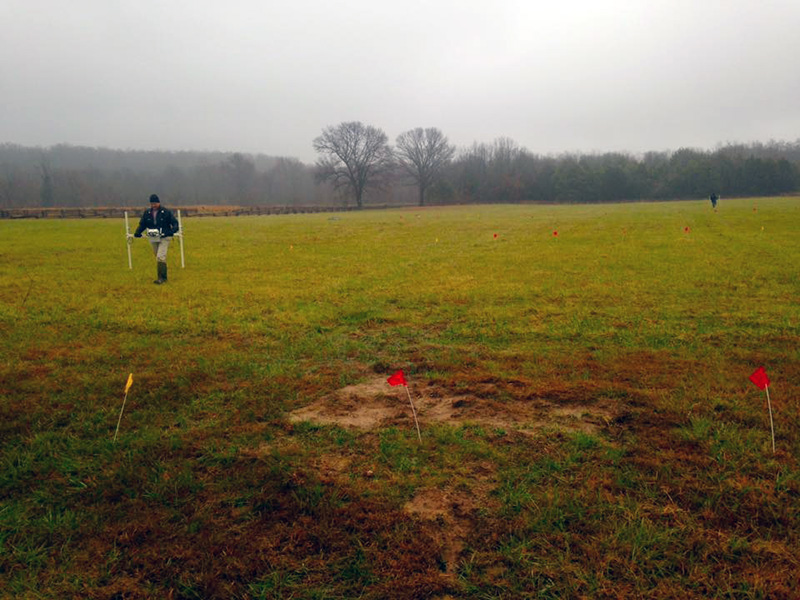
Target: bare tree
(46,191)
(241,172)
(12,187)
(289,181)
(354,156)
(423,153)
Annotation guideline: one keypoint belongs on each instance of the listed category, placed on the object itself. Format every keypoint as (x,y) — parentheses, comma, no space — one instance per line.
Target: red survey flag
(397,379)
(759,377)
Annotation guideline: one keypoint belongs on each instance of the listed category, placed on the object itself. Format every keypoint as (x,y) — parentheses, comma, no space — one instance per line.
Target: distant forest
(72,176)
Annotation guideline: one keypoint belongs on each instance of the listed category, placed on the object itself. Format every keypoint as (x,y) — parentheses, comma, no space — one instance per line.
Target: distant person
(159,226)
(714,199)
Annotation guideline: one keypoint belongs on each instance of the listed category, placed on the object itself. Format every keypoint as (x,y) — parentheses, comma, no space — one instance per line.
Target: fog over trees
(78,176)
(423,168)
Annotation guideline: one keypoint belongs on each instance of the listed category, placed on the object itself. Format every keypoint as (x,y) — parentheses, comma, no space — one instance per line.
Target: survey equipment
(153,234)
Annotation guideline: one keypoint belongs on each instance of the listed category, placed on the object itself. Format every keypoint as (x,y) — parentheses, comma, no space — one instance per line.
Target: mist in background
(267,77)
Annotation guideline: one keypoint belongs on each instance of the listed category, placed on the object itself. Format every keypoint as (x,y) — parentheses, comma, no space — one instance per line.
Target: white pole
(128,240)
(419,435)
(771,424)
(180,233)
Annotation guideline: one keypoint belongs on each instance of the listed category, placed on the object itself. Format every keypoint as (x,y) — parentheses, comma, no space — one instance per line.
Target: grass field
(588,427)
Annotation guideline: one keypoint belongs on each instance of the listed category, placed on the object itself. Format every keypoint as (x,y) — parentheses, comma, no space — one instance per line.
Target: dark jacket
(165,222)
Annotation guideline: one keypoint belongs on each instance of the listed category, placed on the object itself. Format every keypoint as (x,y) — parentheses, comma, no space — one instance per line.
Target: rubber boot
(162,273)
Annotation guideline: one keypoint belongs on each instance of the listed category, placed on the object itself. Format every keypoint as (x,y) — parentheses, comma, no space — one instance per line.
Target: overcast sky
(267,76)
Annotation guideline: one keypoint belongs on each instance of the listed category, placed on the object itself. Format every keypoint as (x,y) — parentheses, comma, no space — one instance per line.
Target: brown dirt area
(454,511)
(375,404)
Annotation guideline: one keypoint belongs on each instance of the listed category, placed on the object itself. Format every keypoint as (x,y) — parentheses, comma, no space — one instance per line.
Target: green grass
(210,492)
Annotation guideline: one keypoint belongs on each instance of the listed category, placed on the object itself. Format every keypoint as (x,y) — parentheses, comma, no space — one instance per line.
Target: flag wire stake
(771,424)
(120,416)
(413,410)
(127,387)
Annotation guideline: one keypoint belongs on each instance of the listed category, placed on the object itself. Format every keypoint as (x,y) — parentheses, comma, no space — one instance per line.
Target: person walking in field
(714,197)
(159,226)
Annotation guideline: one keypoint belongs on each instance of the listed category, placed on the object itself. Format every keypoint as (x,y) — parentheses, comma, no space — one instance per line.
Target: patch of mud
(363,406)
(453,511)
(332,467)
(376,404)
(583,418)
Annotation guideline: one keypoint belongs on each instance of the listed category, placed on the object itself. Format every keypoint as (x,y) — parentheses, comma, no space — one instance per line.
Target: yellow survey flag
(129,384)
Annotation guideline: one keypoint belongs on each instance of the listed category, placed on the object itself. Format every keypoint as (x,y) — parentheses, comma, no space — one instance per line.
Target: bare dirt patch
(375,404)
(453,511)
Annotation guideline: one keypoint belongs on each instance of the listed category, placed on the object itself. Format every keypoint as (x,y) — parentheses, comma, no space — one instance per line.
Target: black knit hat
(154,198)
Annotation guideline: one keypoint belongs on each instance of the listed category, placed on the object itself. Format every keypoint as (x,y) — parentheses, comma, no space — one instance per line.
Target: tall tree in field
(423,153)
(354,156)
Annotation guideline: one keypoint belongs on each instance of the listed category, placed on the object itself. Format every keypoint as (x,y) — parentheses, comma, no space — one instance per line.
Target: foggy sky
(266,76)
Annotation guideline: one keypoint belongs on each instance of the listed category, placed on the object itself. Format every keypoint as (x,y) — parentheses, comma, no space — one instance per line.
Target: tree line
(353,156)
(503,172)
(357,165)
(67,176)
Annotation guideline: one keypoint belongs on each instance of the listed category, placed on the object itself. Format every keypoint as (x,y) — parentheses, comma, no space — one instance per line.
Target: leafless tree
(12,184)
(46,191)
(289,181)
(354,156)
(423,153)
(240,170)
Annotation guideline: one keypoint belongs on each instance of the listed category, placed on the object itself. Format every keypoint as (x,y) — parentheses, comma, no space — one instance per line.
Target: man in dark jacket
(159,225)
